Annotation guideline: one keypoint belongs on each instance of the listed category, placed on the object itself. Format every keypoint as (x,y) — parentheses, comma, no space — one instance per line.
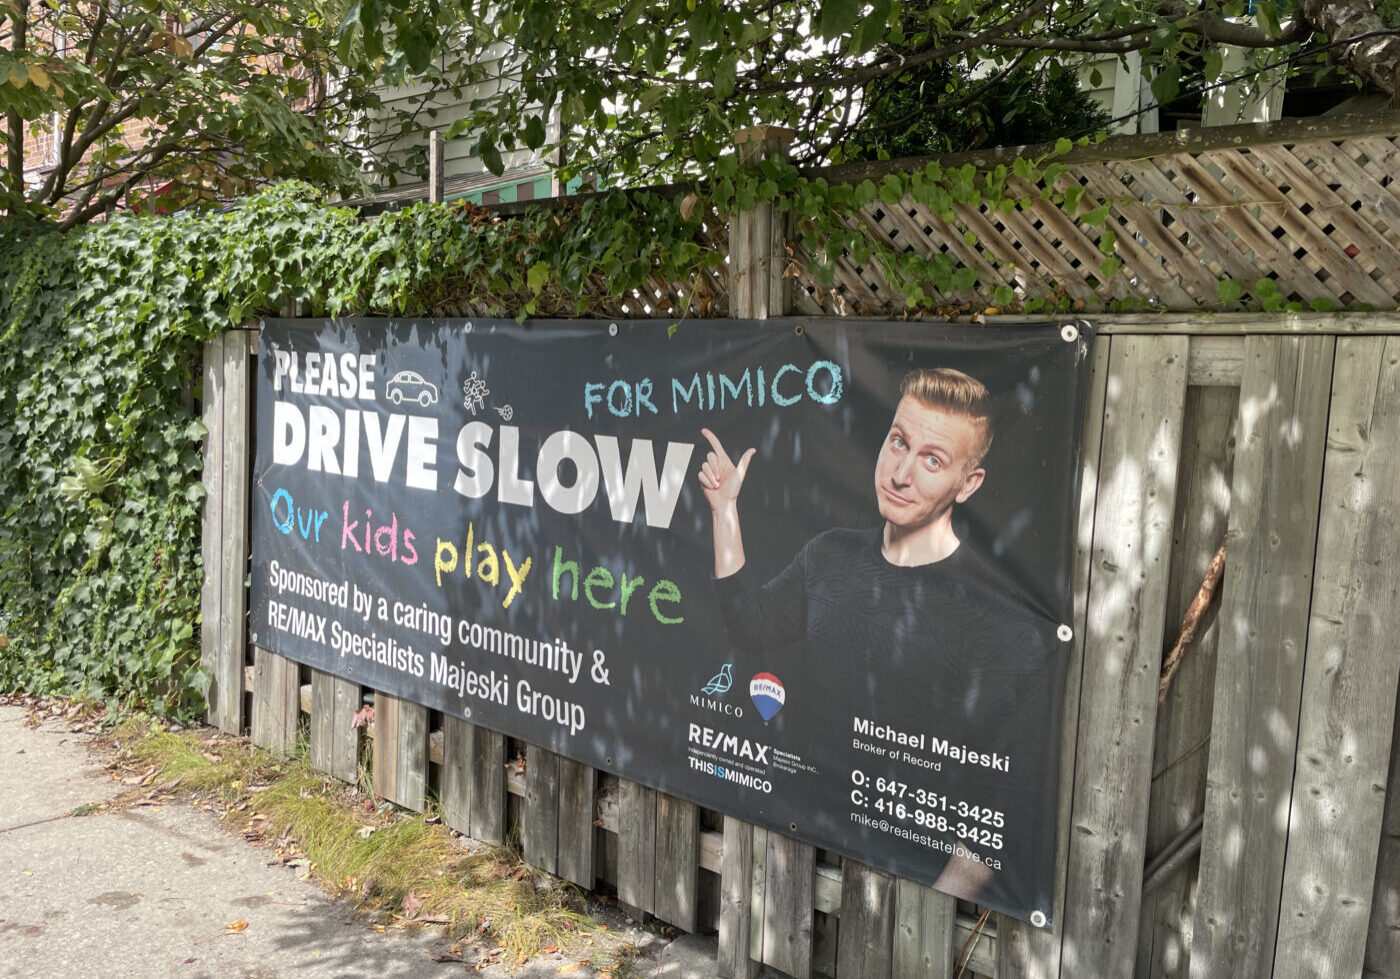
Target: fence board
(636,847)
(539,821)
(1023,951)
(1349,678)
(577,789)
(457,752)
(276,701)
(227,691)
(335,742)
(925,923)
(758,893)
(735,901)
(400,751)
(865,945)
(212,535)
(488,785)
(787,907)
(1127,605)
(1383,934)
(1182,741)
(1264,615)
(677,861)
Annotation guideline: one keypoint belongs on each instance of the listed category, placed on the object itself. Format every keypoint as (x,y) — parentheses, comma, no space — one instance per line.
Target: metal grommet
(1038,919)
(1065,633)
(792,827)
(612,329)
(800,329)
(607,761)
(1069,333)
(468,327)
(467,713)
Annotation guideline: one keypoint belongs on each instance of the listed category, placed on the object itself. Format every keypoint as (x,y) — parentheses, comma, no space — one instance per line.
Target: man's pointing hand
(720,478)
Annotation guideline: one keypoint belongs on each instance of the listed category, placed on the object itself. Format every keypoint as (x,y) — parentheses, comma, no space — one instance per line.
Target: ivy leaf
(837,17)
(1228,291)
(1110,266)
(725,78)
(1167,83)
(538,276)
(491,156)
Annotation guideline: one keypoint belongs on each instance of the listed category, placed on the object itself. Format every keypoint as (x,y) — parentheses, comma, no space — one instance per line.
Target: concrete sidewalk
(149,892)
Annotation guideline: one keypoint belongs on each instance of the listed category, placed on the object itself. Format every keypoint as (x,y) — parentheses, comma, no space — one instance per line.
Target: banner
(813,574)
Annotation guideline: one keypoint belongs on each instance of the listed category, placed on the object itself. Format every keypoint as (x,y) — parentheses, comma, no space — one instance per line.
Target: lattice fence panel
(1319,216)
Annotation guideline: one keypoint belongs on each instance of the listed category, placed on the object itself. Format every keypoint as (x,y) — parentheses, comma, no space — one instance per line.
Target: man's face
(923,468)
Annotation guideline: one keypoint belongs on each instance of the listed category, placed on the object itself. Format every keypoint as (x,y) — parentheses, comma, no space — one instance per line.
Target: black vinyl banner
(813,574)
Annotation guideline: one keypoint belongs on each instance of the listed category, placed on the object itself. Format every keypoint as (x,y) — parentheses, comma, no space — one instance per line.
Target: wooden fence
(1242,828)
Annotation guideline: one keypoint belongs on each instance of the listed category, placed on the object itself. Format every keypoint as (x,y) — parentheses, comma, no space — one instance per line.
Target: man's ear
(970,484)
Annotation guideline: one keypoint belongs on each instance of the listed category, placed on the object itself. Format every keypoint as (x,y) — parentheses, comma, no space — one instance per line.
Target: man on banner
(870,603)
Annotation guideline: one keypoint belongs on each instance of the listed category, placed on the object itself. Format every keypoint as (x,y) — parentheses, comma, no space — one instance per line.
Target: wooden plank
(1125,625)
(677,861)
(1215,362)
(787,906)
(758,894)
(865,947)
(1383,933)
(636,848)
(1024,951)
(1264,608)
(539,820)
(1350,675)
(488,786)
(925,928)
(233,563)
(1182,741)
(457,743)
(335,741)
(400,751)
(384,755)
(1230,324)
(735,882)
(413,756)
(211,529)
(276,701)
(577,791)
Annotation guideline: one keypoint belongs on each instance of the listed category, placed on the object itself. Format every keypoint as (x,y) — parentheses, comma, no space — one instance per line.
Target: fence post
(777,928)
(224,601)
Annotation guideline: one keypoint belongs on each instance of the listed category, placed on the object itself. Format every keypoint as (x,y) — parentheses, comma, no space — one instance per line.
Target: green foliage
(101,333)
(162,103)
(654,89)
(904,115)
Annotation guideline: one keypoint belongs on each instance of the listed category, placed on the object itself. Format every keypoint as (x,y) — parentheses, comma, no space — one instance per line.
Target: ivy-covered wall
(101,333)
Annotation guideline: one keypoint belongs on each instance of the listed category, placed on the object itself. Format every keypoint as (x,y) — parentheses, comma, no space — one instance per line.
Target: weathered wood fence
(1248,826)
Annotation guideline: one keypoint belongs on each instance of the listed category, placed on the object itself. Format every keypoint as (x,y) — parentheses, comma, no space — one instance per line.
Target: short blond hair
(957,393)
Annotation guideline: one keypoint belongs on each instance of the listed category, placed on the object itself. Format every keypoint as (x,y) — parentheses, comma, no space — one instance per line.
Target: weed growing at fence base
(405,869)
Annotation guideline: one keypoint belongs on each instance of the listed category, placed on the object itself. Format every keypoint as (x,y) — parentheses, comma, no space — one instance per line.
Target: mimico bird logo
(720,682)
(766,692)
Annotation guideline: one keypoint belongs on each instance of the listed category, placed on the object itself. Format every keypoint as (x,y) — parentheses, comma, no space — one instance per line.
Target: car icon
(410,386)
